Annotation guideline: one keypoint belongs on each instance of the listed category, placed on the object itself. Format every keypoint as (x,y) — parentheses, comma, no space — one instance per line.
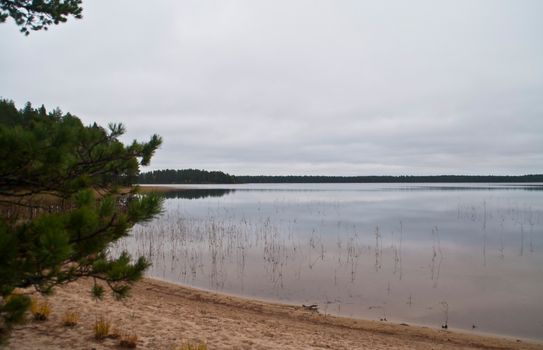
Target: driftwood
(312,307)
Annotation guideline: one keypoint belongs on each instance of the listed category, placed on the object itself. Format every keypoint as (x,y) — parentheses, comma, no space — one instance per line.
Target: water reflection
(473,187)
(190,193)
(460,257)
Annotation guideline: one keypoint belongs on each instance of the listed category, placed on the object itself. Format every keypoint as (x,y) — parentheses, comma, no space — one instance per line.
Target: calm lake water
(470,255)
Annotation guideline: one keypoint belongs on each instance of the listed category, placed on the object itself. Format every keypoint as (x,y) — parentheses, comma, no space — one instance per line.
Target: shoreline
(403,323)
(338,319)
(165,315)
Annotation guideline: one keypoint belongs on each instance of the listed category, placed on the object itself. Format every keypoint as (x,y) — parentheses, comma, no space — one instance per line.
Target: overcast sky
(300,87)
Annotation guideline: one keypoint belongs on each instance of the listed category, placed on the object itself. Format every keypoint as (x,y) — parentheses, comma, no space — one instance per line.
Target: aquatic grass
(445,307)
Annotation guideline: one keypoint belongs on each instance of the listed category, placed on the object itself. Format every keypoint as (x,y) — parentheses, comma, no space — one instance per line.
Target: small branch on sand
(312,307)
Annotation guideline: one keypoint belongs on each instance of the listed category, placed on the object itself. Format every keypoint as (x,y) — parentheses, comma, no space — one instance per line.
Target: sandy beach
(166,316)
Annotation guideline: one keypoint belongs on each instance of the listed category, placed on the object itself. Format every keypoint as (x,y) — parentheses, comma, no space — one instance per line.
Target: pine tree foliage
(63,202)
(39,14)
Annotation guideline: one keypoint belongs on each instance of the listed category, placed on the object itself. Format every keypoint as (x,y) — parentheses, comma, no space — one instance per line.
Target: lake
(466,255)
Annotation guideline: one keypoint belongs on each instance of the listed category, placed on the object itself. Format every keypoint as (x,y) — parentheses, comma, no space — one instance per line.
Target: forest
(186,176)
(391,179)
(194,176)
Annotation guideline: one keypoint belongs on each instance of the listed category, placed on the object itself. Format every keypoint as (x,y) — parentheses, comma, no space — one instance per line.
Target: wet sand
(164,316)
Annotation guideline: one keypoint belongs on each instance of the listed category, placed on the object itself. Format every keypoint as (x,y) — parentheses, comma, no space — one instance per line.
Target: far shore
(165,316)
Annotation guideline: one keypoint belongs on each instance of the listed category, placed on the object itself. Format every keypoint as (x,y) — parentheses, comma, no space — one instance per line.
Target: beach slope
(164,316)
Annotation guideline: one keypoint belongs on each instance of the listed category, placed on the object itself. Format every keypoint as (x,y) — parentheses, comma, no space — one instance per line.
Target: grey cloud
(302,87)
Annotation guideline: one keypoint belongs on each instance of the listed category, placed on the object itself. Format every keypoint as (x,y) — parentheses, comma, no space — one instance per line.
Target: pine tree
(63,202)
(39,14)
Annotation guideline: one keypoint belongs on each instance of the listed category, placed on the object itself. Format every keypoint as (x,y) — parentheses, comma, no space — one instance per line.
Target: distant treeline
(185,176)
(389,179)
(194,176)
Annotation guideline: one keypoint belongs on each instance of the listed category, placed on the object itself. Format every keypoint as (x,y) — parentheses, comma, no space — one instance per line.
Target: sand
(164,316)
